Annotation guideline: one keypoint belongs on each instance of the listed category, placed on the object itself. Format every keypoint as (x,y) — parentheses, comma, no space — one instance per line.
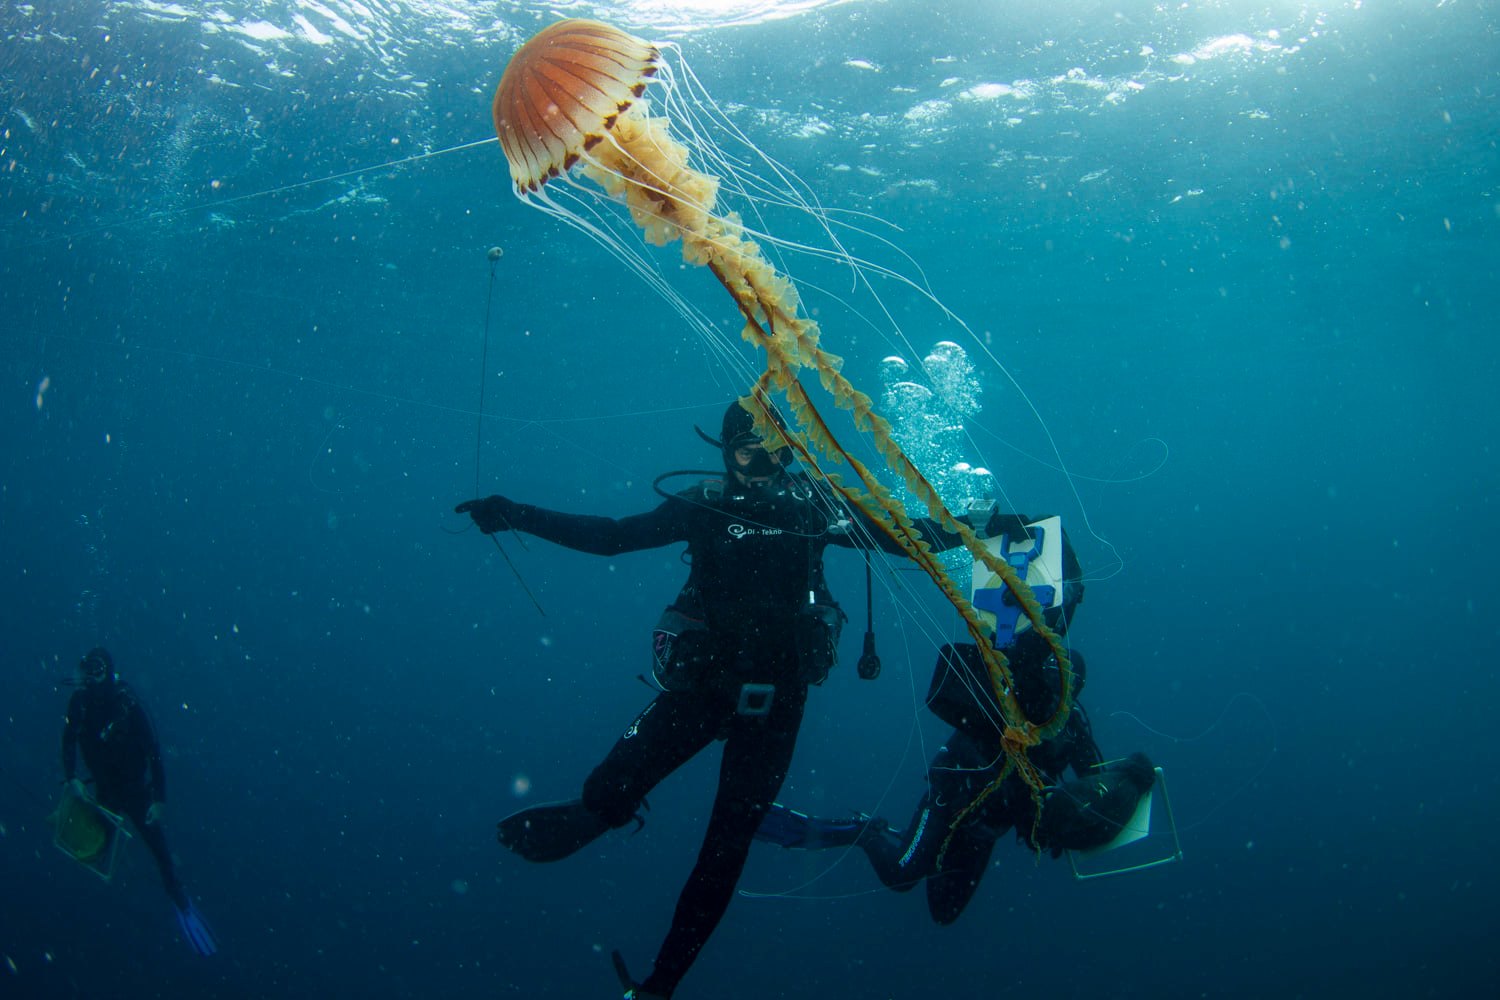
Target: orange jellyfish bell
(562,91)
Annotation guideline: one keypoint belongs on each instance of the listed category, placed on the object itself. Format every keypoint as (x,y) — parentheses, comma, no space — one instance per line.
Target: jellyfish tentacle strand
(885,509)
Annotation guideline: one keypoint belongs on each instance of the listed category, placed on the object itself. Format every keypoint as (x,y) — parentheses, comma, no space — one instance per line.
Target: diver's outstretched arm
(602,536)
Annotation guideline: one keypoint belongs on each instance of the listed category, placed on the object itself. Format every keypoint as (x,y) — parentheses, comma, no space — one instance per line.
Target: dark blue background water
(236,416)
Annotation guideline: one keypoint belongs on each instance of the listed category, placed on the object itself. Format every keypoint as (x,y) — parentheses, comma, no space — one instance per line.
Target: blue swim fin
(196,931)
(789,828)
(783,827)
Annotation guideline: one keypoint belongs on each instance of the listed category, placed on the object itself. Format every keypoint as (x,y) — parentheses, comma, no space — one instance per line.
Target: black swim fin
(550,832)
(633,990)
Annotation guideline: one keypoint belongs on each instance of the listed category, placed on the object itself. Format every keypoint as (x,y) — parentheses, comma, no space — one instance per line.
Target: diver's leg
(892,857)
(156,840)
(668,733)
(959,775)
(950,888)
(903,862)
(132,803)
(671,729)
(756,757)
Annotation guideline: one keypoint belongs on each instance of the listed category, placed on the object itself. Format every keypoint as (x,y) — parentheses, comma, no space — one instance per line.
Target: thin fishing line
(517,574)
(167,213)
(494,255)
(1246,695)
(1239,789)
(484,362)
(540,422)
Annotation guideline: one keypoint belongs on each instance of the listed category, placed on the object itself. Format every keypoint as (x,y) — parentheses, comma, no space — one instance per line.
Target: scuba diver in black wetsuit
(109,724)
(751,629)
(1075,815)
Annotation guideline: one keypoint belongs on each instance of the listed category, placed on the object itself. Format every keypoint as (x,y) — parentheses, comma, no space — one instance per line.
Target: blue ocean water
(1241,258)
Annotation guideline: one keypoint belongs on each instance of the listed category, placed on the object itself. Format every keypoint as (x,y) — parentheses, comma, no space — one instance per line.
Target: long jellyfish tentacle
(885,511)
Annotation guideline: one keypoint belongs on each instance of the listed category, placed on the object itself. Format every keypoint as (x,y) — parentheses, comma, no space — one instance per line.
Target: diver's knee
(946,909)
(945,918)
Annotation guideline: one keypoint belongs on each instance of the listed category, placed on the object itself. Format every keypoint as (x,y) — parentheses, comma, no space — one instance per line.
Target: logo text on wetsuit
(741,530)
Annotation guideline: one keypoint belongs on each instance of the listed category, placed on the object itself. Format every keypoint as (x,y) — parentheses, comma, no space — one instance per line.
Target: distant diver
(107,721)
(954,827)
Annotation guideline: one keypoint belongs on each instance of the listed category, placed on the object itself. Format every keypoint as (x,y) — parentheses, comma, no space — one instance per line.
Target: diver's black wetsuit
(1075,815)
(106,720)
(757,565)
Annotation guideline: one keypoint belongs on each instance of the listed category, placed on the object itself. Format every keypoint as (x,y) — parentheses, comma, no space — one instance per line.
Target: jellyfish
(573,121)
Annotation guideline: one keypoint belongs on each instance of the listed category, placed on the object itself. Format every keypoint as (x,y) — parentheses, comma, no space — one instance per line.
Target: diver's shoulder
(706,490)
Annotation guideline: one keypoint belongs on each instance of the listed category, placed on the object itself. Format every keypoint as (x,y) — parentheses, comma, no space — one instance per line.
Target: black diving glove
(987,520)
(1139,770)
(998,524)
(491,514)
